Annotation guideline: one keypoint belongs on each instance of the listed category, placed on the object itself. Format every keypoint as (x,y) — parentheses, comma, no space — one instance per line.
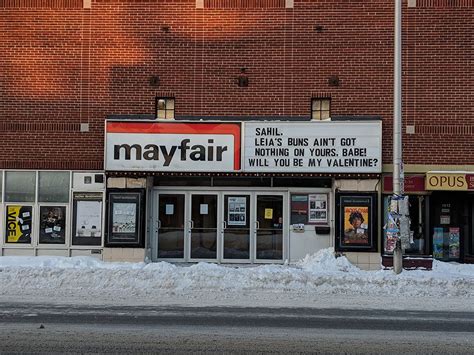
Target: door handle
(257,225)
(191,224)
(159,224)
(224,224)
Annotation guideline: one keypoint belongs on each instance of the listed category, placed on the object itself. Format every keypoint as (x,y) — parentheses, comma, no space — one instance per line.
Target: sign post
(398,173)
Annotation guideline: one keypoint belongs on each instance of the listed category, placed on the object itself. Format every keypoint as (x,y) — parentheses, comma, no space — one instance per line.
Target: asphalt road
(179,330)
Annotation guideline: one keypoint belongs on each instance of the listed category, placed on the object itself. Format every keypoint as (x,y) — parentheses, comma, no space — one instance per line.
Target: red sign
(470,181)
(172,146)
(413,183)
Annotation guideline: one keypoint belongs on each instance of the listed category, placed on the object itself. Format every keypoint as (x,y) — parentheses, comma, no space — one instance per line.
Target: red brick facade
(62,65)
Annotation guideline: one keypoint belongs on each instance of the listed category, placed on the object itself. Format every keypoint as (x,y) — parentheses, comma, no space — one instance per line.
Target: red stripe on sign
(181,128)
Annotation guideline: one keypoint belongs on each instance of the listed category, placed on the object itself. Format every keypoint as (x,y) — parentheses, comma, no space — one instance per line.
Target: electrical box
(298,228)
(88,181)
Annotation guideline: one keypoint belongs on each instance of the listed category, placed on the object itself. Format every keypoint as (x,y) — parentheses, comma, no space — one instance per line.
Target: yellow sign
(449,181)
(18,224)
(268,213)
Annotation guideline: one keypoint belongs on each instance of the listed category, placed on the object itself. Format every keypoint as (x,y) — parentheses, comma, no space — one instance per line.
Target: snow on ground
(319,280)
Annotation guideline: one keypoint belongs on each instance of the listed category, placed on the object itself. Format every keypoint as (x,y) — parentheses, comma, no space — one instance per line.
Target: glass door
(269,227)
(203,227)
(449,213)
(171,228)
(236,228)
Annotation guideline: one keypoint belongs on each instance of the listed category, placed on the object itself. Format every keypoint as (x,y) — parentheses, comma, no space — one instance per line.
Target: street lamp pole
(397,102)
(398,175)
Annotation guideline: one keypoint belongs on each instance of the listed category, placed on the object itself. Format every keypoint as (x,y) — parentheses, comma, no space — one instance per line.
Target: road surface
(183,330)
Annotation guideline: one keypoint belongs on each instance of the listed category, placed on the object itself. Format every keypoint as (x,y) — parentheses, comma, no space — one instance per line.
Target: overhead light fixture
(319,28)
(155,80)
(243,81)
(334,80)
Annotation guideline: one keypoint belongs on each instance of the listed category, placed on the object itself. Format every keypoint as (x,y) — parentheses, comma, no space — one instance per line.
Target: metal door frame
(188,204)
(220,192)
(251,226)
(285,228)
(156,225)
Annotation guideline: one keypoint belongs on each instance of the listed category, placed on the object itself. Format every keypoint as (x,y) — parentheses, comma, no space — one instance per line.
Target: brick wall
(63,64)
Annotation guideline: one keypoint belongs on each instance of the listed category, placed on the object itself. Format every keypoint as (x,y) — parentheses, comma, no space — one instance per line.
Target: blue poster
(438,243)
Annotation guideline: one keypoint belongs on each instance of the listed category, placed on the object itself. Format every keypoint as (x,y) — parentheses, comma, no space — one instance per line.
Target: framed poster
(52,225)
(18,222)
(87,218)
(438,243)
(126,212)
(454,236)
(237,211)
(356,222)
(318,208)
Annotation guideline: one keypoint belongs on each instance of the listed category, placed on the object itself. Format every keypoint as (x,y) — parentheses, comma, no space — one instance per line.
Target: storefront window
(418,239)
(449,220)
(20,186)
(53,186)
(309,209)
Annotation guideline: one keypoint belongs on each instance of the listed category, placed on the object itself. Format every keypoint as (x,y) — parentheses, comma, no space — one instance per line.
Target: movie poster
(454,234)
(87,218)
(18,223)
(237,211)
(356,221)
(124,216)
(125,219)
(52,225)
(438,243)
(317,207)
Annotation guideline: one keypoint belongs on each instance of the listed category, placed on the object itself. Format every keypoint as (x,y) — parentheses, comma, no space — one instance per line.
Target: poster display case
(52,226)
(356,222)
(18,224)
(309,209)
(125,217)
(87,218)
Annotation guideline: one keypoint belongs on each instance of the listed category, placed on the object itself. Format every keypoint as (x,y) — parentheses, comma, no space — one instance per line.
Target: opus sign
(163,146)
(320,147)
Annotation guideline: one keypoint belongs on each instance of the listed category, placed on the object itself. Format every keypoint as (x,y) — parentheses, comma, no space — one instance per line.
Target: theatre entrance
(220,226)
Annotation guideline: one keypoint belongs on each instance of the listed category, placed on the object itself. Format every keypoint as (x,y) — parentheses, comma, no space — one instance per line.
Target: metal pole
(397,126)
(397,99)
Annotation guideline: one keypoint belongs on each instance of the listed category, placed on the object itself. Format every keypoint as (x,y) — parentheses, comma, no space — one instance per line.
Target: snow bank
(316,276)
(325,261)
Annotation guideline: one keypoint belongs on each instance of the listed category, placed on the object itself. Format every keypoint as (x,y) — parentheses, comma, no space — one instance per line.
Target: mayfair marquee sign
(273,147)
(163,146)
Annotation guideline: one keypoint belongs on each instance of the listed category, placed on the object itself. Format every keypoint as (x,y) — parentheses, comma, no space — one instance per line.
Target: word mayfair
(167,153)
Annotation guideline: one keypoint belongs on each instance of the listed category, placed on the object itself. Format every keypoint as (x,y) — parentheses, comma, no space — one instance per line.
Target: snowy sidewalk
(320,281)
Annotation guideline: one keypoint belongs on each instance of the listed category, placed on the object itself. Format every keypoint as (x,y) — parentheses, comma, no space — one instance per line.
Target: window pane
(170,104)
(316,115)
(53,186)
(316,105)
(161,104)
(20,186)
(170,114)
(324,115)
(161,114)
(325,105)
